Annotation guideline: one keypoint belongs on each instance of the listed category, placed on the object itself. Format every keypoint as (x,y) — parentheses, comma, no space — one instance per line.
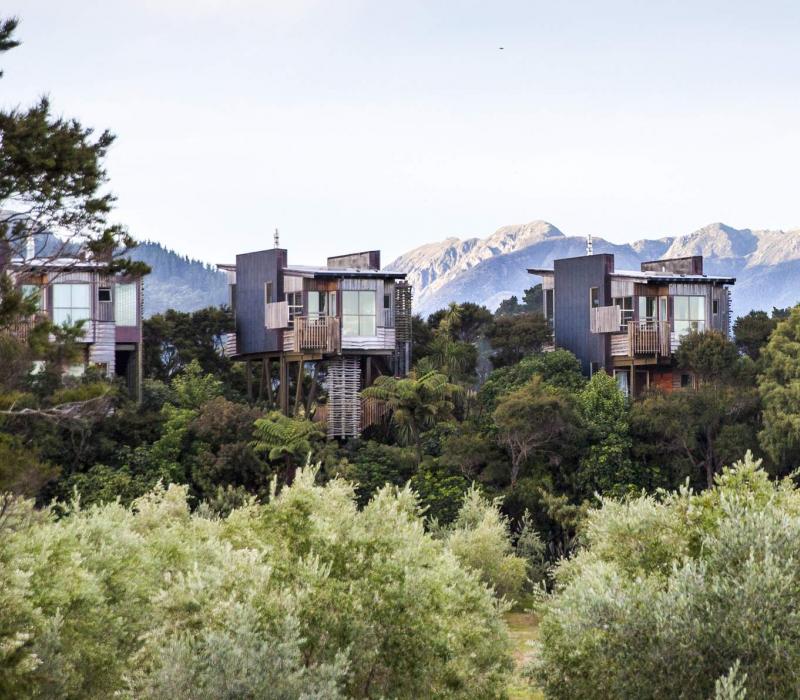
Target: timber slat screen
(344,399)
(649,338)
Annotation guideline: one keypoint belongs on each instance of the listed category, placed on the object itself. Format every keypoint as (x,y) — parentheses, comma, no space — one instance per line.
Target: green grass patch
(523,627)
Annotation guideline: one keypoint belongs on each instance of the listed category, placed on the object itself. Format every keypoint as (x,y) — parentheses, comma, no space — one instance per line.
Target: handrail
(317,334)
(649,338)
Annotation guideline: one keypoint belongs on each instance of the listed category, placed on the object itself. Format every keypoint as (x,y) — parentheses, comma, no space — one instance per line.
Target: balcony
(316,335)
(649,338)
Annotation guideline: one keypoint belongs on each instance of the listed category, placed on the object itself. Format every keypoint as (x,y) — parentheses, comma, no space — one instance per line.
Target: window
(358,313)
(690,314)
(715,307)
(594,297)
(623,381)
(321,304)
(294,300)
(125,305)
(647,309)
(686,380)
(72,303)
(33,291)
(267,299)
(549,305)
(626,306)
(104,294)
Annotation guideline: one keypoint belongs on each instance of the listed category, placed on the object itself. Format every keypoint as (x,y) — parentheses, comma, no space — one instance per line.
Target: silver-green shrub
(684,596)
(305,596)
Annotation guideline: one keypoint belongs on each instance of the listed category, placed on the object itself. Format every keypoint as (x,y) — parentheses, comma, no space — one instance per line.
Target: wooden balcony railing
(649,338)
(316,334)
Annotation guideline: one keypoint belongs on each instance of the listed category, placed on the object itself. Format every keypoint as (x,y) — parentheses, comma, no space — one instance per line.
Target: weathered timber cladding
(368,260)
(253,271)
(574,277)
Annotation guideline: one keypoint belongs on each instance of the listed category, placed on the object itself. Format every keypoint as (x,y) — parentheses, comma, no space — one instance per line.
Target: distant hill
(485,271)
(178,282)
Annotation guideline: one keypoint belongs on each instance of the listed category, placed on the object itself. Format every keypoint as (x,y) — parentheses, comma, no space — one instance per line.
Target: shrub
(304,596)
(686,596)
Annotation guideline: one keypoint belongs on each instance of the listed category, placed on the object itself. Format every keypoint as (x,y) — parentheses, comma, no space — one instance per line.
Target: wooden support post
(369,370)
(261,379)
(298,396)
(283,387)
(268,377)
(248,369)
(312,392)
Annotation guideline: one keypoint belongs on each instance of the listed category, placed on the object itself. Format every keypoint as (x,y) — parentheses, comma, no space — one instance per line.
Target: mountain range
(177,281)
(488,270)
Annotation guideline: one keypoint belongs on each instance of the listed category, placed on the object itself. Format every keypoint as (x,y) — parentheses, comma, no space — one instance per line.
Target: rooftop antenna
(277,239)
(589,247)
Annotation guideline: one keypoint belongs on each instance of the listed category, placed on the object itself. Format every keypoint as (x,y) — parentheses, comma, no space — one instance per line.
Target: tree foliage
(670,594)
(305,596)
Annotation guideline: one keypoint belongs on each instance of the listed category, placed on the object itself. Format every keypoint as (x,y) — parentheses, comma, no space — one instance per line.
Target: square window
(104,294)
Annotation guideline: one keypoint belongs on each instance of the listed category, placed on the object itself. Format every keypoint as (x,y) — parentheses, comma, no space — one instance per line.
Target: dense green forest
(199,544)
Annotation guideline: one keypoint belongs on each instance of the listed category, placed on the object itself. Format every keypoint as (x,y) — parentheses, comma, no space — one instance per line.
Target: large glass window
(321,304)
(72,303)
(358,313)
(626,306)
(594,297)
(689,313)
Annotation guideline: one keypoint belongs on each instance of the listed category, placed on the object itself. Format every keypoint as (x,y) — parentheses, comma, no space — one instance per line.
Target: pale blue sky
(353,124)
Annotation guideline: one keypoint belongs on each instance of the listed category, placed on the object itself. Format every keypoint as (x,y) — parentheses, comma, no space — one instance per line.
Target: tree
(174,339)
(51,183)
(708,581)
(306,595)
(514,337)
(416,403)
(559,369)
(606,464)
(694,433)
(290,440)
(709,355)
(531,419)
(532,302)
(779,387)
(481,538)
(752,332)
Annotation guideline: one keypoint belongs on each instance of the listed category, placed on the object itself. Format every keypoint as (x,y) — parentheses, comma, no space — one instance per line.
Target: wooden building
(71,289)
(342,325)
(630,322)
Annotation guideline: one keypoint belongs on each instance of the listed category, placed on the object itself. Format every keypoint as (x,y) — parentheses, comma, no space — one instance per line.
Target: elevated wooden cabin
(349,321)
(630,322)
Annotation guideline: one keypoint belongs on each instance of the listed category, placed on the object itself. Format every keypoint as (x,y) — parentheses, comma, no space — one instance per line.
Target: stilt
(369,371)
(248,369)
(283,386)
(312,392)
(261,380)
(268,378)
(298,397)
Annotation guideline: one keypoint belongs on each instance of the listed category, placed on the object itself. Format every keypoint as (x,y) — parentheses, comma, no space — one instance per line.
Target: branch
(97,407)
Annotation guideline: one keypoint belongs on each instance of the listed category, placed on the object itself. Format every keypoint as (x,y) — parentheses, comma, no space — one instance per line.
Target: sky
(356,124)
